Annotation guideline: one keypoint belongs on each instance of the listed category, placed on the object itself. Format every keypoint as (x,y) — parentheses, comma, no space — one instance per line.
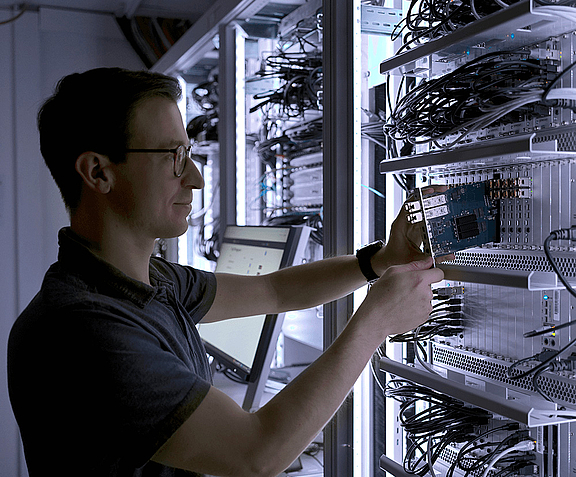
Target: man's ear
(95,171)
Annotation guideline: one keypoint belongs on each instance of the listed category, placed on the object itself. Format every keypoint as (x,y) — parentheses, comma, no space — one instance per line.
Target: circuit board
(461,217)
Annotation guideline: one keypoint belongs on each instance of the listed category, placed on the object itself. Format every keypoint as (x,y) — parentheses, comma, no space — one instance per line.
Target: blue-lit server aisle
(477,96)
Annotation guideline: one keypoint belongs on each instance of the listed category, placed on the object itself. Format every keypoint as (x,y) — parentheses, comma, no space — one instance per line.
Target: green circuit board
(463,216)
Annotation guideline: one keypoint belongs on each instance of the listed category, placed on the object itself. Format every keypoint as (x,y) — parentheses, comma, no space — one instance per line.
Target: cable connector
(564,234)
(525,446)
(545,355)
(566,364)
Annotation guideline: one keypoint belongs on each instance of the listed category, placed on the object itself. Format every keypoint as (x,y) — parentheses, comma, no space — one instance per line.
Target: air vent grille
(515,261)
(557,389)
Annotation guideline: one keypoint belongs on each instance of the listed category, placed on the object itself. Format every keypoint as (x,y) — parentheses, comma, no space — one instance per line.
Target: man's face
(147,195)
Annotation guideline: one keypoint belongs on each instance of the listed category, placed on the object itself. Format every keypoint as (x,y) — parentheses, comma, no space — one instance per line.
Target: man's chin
(174,233)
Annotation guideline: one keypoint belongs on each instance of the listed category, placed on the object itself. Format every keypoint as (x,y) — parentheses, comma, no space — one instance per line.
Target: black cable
(301,74)
(544,364)
(550,329)
(548,356)
(537,387)
(499,87)
(443,421)
(436,18)
(473,464)
(562,234)
(15,17)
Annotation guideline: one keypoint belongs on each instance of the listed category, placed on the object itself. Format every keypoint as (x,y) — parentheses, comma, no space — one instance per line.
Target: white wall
(35,52)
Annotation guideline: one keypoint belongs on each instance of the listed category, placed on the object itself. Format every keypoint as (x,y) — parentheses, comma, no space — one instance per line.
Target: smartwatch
(364,254)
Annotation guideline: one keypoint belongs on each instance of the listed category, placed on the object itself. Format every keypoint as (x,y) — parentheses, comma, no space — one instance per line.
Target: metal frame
(227,124)
(490,33)
(521,412)
(338,150)
(198,40)
(338,127)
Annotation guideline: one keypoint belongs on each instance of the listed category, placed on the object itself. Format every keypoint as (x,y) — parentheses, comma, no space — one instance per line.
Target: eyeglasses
(180,153)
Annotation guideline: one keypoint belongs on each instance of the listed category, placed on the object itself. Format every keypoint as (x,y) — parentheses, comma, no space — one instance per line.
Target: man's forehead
(158,120)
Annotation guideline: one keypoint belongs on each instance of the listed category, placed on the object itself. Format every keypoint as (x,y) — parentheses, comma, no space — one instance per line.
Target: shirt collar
(75,255)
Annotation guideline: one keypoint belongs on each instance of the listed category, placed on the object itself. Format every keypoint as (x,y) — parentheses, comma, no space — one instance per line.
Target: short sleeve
(195,289)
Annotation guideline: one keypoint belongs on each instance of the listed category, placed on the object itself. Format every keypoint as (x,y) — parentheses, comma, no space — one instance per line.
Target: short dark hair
(92,111)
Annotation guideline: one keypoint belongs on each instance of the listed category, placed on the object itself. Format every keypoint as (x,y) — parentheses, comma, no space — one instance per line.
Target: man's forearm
(399,301)
(295,416)
(312,284)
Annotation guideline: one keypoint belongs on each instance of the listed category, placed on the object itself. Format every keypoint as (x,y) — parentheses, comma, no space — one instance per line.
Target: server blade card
(461,217)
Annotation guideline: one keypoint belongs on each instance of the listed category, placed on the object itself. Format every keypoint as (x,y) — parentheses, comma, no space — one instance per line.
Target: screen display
(245,251)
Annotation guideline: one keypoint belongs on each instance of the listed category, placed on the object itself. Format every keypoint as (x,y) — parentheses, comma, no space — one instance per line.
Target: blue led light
(545,297)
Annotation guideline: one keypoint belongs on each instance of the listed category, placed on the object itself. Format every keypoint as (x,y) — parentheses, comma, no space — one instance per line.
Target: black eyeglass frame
(179,160)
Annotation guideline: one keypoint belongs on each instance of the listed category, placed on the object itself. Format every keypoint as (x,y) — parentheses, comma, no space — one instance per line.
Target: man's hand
(405,241)
(400,299)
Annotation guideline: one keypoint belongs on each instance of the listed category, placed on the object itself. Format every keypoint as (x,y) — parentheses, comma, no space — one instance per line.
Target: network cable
(527,445)
(432,421)
(562,234)
(429,19)
(490,89)
(301,76)
(467,457)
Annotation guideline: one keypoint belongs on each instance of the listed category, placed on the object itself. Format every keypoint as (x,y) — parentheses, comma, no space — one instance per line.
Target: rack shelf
(545,145)
(527,280)
(513,27)
(512,409)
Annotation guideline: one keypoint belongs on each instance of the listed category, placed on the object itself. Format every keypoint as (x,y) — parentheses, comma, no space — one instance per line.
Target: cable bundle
(481,454)
(429,19)
(301,75)
(432,421)
(445,319)
(305,138)
(205,126)
(472,97)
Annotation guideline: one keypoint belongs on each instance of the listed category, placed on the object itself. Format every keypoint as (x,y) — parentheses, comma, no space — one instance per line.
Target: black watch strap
(364,254)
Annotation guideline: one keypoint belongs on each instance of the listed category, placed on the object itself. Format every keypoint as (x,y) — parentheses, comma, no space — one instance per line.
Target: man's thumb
(423,264)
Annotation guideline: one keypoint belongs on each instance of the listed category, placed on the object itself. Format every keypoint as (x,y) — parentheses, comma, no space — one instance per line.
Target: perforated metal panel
(565,141)
(516,260)
(558,388)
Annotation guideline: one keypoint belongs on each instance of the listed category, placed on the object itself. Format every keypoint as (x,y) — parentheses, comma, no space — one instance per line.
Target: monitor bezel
(272,322)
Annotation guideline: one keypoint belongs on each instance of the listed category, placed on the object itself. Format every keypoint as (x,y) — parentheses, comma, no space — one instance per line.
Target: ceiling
(184,9)
(262,24)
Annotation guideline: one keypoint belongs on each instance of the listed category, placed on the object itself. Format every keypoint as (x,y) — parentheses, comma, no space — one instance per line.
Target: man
(107,374)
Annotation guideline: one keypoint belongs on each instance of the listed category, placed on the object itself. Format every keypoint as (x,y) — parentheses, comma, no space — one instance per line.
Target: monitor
(246,346)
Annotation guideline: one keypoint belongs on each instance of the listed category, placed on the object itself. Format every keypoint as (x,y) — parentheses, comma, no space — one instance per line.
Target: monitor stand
(255,389)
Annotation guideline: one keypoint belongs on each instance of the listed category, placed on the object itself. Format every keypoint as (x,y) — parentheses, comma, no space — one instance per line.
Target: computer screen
(243,344)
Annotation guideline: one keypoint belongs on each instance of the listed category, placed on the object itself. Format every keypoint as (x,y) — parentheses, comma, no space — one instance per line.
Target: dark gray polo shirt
(103,369)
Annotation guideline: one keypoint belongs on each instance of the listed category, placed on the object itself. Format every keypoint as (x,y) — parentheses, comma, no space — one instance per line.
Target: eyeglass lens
(180,161)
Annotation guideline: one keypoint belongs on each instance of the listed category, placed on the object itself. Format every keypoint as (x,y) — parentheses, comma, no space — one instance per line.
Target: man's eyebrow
(173,144)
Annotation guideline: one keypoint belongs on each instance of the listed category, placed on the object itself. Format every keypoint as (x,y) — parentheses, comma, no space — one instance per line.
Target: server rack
(508,350)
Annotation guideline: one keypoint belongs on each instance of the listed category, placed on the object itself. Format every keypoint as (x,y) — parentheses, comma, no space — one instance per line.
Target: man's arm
(293,288)
(316,283)
(220,438)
